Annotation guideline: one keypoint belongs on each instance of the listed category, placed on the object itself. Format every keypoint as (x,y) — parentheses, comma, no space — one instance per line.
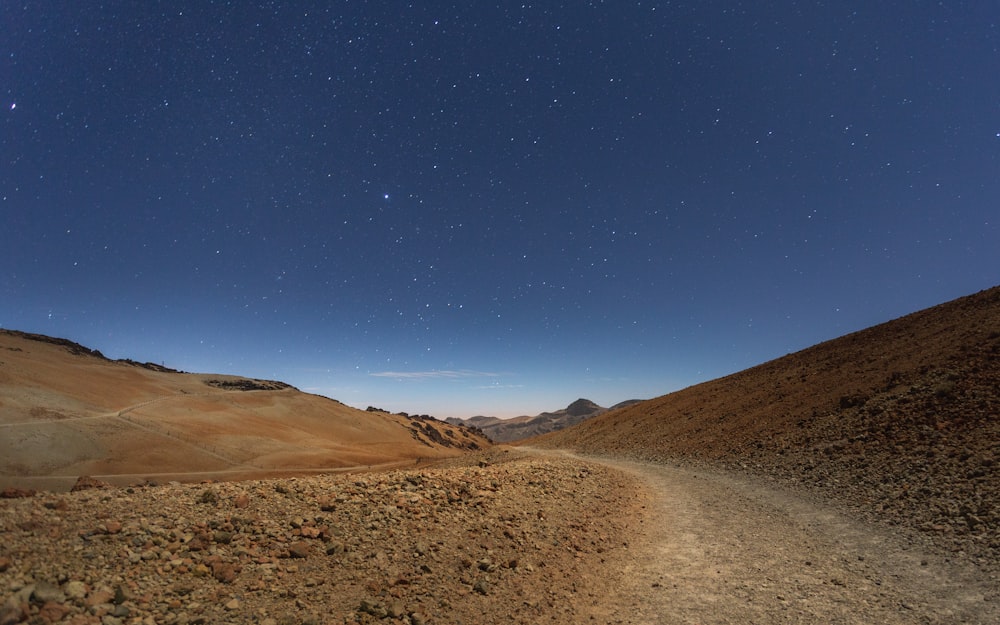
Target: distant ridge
(67,411)
(900,421)
(518,428)
(79,350)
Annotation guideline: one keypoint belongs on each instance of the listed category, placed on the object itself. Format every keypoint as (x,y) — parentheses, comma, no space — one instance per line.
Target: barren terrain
(721,548)
(66,411)
(853,482)
(504,536)
(494,538)
(898,424)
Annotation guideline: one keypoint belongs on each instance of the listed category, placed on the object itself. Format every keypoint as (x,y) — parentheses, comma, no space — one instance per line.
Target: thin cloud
(436,374)
(499,386)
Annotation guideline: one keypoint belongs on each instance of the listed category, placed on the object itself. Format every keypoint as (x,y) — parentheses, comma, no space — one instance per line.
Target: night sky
(491,208)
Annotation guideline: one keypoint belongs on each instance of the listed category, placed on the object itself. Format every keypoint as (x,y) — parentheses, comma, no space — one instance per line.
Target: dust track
(719,548)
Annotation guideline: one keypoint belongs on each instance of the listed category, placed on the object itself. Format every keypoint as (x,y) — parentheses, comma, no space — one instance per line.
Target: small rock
(85,482)
(312,532)
(374,608)
(224,572)
(52,611)
(10,613)
(75,589)
(112,527)
(182,589)
(99,597)
(396,609)
(242,500)
(234,604)
(16,493)
(482,587)
(45,593)
(4,564)
(299,549)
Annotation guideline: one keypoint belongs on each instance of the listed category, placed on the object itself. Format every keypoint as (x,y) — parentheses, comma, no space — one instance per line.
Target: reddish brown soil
(898,423)
(853,482)
(67,411)
(497,538)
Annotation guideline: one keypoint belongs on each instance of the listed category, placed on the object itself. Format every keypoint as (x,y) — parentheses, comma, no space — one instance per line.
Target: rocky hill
(66,411)
(899,422)
(518,428)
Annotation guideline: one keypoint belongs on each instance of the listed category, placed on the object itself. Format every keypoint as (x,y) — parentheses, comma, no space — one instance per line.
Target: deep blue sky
(491,208)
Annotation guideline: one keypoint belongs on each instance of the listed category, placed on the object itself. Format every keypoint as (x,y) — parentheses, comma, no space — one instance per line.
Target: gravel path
(715,548)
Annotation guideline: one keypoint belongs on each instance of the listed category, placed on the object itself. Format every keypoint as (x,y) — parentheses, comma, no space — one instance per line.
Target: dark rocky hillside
(518,428)
(899,422)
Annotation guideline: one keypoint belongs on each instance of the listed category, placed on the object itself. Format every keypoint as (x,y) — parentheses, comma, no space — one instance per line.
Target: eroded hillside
(899,422)
(67,411)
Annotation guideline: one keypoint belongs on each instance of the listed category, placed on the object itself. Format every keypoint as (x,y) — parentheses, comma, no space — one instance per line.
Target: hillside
(518,428)
(66,411)
(899,422)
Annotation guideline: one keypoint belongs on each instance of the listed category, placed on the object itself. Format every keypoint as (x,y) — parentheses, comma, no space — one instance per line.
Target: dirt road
(716,548)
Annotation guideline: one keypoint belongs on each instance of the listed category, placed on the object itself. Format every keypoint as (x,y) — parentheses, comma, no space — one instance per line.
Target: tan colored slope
(66,412)
(900,421)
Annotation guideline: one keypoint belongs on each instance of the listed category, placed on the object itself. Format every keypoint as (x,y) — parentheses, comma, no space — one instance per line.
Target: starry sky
(491,207)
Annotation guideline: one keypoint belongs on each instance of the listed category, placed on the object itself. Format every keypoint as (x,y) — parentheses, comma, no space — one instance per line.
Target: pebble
(45,592)
(75,590)
(300,549)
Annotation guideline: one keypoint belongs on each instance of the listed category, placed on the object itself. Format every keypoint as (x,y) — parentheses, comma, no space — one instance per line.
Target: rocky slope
(494,538)
(66,411)
(898,423)
(518,428)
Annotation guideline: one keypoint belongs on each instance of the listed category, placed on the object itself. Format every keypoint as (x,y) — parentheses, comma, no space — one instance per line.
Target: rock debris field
(496,537)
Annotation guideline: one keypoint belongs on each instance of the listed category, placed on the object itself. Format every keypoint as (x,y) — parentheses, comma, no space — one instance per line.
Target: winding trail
(121,412)
(720,548)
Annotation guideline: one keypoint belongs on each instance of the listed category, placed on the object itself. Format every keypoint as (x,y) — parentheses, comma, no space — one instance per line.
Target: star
(549,191)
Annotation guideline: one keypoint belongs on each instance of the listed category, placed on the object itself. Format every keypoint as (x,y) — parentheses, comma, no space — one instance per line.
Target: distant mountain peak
(518,428)
(582,407)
